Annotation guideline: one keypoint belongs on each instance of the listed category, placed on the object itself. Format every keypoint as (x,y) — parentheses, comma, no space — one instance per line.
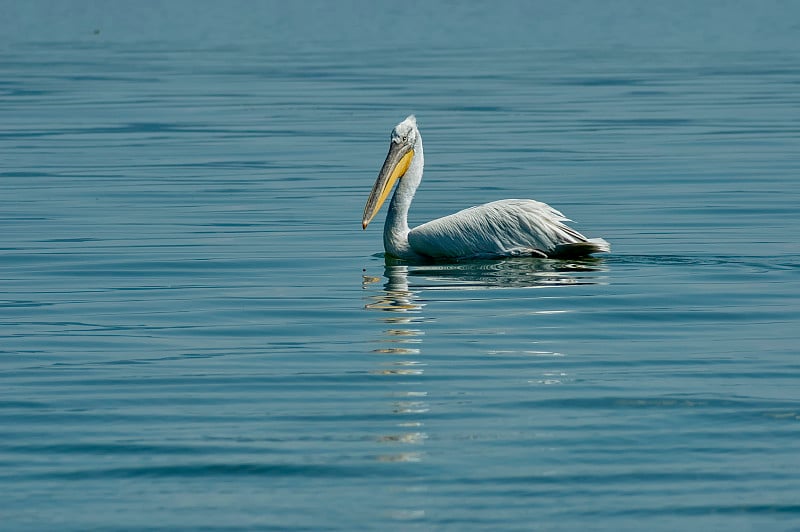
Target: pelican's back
(502,228)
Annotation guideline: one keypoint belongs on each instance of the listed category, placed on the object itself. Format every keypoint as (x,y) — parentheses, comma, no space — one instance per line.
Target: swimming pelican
(504,228)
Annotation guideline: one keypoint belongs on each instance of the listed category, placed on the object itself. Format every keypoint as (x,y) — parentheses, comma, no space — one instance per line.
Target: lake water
(195,333)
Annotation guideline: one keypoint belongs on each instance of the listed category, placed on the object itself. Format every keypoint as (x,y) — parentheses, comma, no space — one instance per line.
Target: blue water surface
(195,333)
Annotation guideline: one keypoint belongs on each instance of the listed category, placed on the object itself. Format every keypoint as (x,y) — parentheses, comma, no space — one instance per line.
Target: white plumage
(510,227)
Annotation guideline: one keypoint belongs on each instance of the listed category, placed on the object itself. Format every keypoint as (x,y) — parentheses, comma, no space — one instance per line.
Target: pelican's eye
(405,138)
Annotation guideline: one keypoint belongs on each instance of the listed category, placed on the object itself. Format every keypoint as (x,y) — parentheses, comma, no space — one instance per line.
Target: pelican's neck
(395,230)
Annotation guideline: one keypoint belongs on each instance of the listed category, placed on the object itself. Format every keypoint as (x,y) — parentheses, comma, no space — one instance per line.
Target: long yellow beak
(394,167)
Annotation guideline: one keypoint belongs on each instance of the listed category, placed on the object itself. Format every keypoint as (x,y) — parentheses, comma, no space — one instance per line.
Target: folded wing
(510,227)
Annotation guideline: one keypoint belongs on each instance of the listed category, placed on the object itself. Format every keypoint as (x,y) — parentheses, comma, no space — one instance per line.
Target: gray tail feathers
(580,249)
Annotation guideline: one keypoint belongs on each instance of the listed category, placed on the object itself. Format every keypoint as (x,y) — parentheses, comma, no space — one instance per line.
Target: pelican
(504,228)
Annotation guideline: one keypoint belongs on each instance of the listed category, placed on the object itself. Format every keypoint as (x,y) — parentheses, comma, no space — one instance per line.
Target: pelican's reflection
(508,273)
(394,299)
(401,312)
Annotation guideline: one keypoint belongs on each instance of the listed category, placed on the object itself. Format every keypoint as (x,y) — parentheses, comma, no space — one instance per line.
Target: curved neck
(395,230)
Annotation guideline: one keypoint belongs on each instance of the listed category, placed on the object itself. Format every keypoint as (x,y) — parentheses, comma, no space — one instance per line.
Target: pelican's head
(401,151)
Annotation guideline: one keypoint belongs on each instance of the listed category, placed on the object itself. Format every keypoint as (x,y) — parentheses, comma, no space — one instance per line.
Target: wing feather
(502,228)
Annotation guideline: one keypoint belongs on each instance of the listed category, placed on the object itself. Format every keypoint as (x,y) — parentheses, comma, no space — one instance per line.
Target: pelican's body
(511,227)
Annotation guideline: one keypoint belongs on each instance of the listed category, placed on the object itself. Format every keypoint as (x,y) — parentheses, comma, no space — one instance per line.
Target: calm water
(196,333)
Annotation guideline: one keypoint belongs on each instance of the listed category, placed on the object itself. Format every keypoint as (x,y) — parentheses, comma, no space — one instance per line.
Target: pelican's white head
(401,152)
(406,131)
